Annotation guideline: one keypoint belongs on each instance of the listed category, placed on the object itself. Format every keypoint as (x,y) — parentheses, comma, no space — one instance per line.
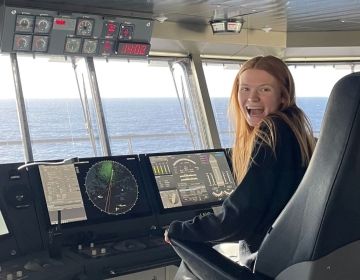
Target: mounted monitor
(94,190)
(3,228)
(190,180)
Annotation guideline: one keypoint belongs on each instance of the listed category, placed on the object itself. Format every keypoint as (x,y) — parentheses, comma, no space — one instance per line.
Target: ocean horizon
(134,125)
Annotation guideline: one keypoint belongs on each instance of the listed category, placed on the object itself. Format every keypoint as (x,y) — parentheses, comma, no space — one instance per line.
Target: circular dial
(24,23)
(90,46)
(72,45)
(111,187)
(43,24)
(40,43)
(22,42)
(84,27)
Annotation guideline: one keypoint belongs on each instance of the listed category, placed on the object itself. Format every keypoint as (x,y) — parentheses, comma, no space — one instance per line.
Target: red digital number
(133,49)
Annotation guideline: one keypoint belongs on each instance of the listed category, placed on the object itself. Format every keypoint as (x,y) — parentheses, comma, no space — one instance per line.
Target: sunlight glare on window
(11,148)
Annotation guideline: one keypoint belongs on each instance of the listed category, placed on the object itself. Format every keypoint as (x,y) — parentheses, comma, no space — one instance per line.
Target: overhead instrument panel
(53,32)
(191,179)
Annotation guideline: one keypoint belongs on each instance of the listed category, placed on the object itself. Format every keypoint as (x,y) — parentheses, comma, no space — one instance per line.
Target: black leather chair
(317,235)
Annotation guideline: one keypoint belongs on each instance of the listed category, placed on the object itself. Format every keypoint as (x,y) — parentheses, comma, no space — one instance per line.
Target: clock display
(133,49)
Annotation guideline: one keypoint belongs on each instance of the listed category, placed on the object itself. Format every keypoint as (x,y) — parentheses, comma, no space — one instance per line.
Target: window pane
(11,148)
(313,84)
(219,79)
(55,111)
(143,111)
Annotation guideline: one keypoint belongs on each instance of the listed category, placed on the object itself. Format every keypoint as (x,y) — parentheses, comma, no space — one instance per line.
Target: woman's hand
(166,237)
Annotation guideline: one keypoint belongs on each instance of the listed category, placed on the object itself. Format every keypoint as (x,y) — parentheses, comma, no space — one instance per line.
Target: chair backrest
(317,235)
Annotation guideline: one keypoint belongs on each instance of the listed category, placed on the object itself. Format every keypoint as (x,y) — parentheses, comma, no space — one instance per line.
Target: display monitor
(62,193)
(94,190)
(191,179)
(3,228)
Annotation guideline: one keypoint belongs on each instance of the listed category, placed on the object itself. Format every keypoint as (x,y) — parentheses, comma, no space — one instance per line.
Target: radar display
(111,187)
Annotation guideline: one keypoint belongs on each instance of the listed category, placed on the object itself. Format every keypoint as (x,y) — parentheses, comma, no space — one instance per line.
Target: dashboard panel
(102,217)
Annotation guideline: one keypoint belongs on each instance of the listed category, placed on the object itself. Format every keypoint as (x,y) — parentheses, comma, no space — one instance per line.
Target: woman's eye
(265,89)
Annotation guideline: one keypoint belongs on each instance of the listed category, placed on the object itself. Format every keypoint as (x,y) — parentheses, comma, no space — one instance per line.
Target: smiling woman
(259,95)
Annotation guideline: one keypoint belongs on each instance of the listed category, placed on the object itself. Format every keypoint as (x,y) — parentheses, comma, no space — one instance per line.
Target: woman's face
(259,95)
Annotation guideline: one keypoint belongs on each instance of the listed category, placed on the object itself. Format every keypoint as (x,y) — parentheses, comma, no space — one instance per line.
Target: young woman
(272,148)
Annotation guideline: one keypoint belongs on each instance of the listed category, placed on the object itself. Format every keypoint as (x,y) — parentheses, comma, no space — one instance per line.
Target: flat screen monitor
(62,193)
(3,228)
(94,190)
(191,179)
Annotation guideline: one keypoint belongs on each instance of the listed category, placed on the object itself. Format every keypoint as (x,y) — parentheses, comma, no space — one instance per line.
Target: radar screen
(189,179)
(3,228)
(94,190)
(111,187)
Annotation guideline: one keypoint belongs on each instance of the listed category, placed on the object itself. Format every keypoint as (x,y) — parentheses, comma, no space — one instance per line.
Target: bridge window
(313,85)
(219,79)
(146,106)
(11,148)
(59,127)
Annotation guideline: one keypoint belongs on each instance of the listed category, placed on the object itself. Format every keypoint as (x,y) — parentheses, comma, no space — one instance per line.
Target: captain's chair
(317,235)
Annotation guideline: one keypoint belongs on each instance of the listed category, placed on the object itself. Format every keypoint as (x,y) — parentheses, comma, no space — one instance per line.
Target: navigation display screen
(187,179)
(3,228)
(94,190)
(62,192)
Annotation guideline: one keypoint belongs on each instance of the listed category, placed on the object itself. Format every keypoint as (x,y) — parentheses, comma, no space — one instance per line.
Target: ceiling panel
(281,15)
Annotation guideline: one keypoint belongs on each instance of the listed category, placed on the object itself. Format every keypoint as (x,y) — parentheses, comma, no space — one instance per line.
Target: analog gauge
(40,43)
(72,45)
(43,24)
(106,47)
(90,46)
(84,27)
(126,32)
(24,23)
(111,187)
(110,29)
(22,42)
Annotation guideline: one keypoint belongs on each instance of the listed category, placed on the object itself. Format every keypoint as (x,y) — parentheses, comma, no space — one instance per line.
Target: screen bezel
(152,181)
(100,218)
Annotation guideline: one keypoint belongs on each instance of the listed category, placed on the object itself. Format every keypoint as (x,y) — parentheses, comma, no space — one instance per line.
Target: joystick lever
(55,239)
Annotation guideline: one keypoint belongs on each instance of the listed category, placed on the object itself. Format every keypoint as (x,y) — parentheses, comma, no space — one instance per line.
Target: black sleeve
(257,201)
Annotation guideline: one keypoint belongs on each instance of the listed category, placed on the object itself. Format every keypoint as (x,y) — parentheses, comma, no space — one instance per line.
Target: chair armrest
(208,264)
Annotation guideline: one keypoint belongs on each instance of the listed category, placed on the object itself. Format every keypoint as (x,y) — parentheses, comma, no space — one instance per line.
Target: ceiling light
(226,25)
(266,29)
(161,18)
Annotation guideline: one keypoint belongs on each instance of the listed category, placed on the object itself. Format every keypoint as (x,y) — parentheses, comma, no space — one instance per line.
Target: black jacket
(251,209)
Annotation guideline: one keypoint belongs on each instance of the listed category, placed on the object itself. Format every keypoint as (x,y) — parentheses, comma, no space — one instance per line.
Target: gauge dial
(90,46)
(84,27)
(24,23)
(43,24)
(40,43)
(22,42)
(126,32)
(111,187)
(72,45)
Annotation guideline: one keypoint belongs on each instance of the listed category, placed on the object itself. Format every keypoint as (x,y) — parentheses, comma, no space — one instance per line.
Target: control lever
(55,239)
